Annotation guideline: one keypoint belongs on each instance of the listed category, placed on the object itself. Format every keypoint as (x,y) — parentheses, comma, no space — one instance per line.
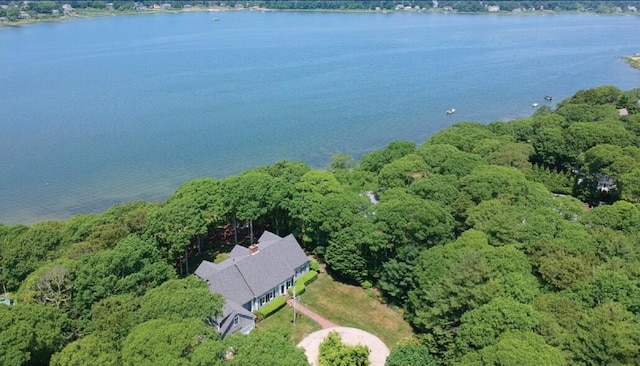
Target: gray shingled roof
(267,238)
(229,311)
(242,278)
(238,251)
(230,283)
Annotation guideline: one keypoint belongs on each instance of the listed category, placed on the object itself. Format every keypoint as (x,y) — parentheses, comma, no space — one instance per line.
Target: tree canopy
(508,243)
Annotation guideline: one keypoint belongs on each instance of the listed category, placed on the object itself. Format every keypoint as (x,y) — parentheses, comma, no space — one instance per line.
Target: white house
(251,277)
(605,183)
(67,9)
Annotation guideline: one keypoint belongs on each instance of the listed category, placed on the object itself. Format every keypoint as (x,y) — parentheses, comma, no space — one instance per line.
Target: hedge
(271,307)
(314,265)
(302,282)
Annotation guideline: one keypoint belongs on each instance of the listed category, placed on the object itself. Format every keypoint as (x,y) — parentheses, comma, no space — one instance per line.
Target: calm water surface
(113,109)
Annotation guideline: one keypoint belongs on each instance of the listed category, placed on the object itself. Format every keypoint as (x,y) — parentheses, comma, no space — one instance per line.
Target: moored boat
(450,111)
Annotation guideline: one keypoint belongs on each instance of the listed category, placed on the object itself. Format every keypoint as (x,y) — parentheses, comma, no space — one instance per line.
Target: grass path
(350,306)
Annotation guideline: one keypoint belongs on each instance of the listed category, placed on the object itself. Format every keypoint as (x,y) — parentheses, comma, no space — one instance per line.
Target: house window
(236,320)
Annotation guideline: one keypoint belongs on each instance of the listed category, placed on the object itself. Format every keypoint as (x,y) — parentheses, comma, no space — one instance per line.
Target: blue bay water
(113,109)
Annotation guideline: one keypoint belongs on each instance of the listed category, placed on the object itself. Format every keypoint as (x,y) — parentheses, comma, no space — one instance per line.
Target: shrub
(308,277)
(314,265)
(300,288)
(334,352)
(271,307)
(301,282)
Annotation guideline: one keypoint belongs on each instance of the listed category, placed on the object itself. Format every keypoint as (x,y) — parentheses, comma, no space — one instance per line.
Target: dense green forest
(511,243)
(19,11)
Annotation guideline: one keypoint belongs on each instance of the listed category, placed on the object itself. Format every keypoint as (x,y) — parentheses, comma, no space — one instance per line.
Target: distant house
(187,6)
(4,19)
(606,183)
(55,12)
(109,6)
(493,8)
(139,6)
(372,197)
(623,112)
(67,9)
(251,277)
(23,15)
(166,6)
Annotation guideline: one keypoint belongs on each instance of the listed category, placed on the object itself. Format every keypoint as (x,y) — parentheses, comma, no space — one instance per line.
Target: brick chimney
(253,249)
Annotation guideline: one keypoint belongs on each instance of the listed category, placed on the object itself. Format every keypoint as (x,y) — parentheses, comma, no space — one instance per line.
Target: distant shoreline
(633,61)
(95,13)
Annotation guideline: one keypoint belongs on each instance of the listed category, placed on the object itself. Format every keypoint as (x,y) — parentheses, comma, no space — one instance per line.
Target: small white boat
(450,111)
(534,105)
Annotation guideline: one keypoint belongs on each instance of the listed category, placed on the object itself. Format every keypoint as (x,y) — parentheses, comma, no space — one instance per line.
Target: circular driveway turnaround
(350,336)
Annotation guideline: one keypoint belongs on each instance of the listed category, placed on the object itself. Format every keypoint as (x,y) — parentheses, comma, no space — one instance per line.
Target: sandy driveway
(350,336)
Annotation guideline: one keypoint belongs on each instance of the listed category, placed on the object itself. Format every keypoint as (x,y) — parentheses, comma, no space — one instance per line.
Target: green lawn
(350,306)
(284,318)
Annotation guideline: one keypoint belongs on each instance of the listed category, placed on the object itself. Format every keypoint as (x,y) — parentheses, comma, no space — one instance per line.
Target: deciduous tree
(88,350)
(607,334)
(31,334)
(249,350)
(410,354)
(516,348)
(133,266)
(166,342)
(463,135)
(374,161)
(180,298)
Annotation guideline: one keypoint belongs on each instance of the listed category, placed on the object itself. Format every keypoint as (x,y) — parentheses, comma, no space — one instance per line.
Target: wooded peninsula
(511,243)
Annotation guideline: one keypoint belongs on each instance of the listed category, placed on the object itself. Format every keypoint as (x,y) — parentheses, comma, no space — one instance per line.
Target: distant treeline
(12,9)
(462,6)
